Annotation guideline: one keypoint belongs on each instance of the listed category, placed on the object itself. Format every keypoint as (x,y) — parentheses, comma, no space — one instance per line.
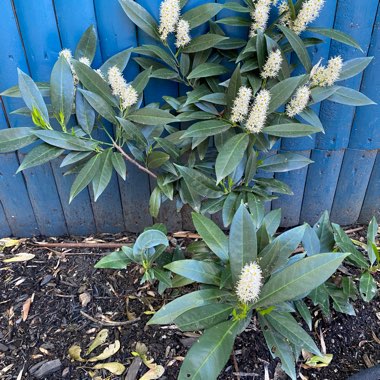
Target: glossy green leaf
(119,165)
(310,241)
(12,139)
(229,208)
(213,236)
(207,70)
(200,271)
(299,278)
(40,155)
(354,66)
(74,157)
(14,92)
(206,128)
(85,114)
(141,81)
(350,97)
(230,155)
(272,221)
(104,174)
(203,42)
(368,287)
(304,312)
(157,159)
(155,202)
(201,14)
(242,242)
(284,162)
(371,242)
(151,116)
(86,47)
(291,130)
(115,260)
(233,88)
(325,233)
(149,239)
(120,60)
(65,140)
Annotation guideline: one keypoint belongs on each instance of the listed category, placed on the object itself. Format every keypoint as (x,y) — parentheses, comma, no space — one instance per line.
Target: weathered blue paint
(365,133)
(352,185)
(321,183)
(356,20)
(4,227)
(371,205)
(291,204)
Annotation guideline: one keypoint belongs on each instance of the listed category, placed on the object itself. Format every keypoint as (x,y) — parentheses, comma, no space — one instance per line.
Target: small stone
(45,368)
(3,347)
(46,280)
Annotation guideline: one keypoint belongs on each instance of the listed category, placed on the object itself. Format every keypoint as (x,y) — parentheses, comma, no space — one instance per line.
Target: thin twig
(236,366)
(134,162)
(354,230)
(81,245)
(109,324)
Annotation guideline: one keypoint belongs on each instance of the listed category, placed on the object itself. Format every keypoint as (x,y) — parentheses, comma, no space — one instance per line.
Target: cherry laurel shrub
(206,149)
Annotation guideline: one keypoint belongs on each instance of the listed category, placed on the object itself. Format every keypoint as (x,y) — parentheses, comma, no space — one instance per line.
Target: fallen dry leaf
(113,367)
(8,242)
(375,338)
(101,338)
(318,361)
(74,353)
(85,299)
(154,373)
(26,308)
(20,257)
(107,353)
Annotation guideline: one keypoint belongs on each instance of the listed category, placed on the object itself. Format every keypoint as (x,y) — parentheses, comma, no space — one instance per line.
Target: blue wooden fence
(344,179)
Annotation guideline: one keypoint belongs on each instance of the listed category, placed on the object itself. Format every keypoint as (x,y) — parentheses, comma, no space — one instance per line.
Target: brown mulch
(45,304)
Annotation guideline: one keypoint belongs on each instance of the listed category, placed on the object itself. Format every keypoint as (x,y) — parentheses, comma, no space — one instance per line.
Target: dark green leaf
(304,311)
(84,112)
(201,14)
(149,239)
(115,260)
(351,97)
(120,60)
(206,128)
(284,162)
(86,47)
(104,173)
(157,159)
(367,287)
(325,233)
(203,42)
(155,202)
(141,81)
(151,116)
(119,165)
(100,105)
(12,139)
(207,70)
(291,130)
(354,67)
(14,92)
(65,141)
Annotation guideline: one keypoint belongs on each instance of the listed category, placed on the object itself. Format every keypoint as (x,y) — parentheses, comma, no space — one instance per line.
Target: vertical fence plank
(291,204)
(325,20)
(117,33)
(12,48)
(371,205)
(365,132)
(321,183)
(4,227)
(352,185)
(356,20)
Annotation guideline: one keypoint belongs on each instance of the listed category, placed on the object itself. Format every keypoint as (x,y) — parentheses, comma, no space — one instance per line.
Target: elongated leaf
(84,112)
(32,95)
(93,82)
(156,52)
(141,17)
(336,35)
(100,105)
(157,159)
(299,278)
(242,242)
(371,242)
(233,88)
(311,242)
(201,14)
(209,354)
(120,60)
(272,221)
(287,326)
(85,176)
(367,287)
(86,47)
(73,158)
(199,182)
(119,165)
(14,92)
(282,92)
(304,311)
(298,47)
(155,202)
(309,115)
(12,139)
(325,233)
(115,260)
(284,162)
(230,155)
(39,155)
(62,89)
(291,130)
(141,81)
(351,97)
(206,128)
(354,67)
(318,94)
(65,141)
(133,132)
(104,174)
(199,271)
(174,309)
(207,70)
(203,317)
(151,116)
(203,42)
(213,236)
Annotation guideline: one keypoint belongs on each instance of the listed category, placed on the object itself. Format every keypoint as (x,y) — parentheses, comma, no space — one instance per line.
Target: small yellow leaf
(74,353)
(8,242)
(319,361)
(20,257)
(101,338)
(113,367)
(107,353)
(154,373)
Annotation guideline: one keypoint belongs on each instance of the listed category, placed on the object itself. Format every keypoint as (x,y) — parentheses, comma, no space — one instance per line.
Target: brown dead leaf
(101,338)
(375,338)
(20,257)
(154,373)
(26,308)
(85,299)
(107,353)
(113,367)
(74,353)
(368,362)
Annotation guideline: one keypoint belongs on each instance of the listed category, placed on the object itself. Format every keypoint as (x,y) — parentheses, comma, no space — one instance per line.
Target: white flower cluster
(309,12)
(127,94)
(85,60)
(326,76)
(66,53)
(299,101)
(240,108)
(183,34)
(259,112)
(273,65)
(170,22)
(260,16)
(283,10)
(250,282)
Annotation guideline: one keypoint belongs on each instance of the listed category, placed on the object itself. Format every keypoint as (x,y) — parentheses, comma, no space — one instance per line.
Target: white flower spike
(260,16)
(326,76)
(250,282)
(85,60)
(258,115)
(169,16)
(299,102)
(309,12)
(127,94)
(240,108)
(183,34)
(273,65)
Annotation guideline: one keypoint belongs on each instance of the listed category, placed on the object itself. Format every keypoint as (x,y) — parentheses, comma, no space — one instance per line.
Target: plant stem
(131,160)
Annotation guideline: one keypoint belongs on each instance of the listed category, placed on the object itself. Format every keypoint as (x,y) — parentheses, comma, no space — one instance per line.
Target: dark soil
(58,281)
